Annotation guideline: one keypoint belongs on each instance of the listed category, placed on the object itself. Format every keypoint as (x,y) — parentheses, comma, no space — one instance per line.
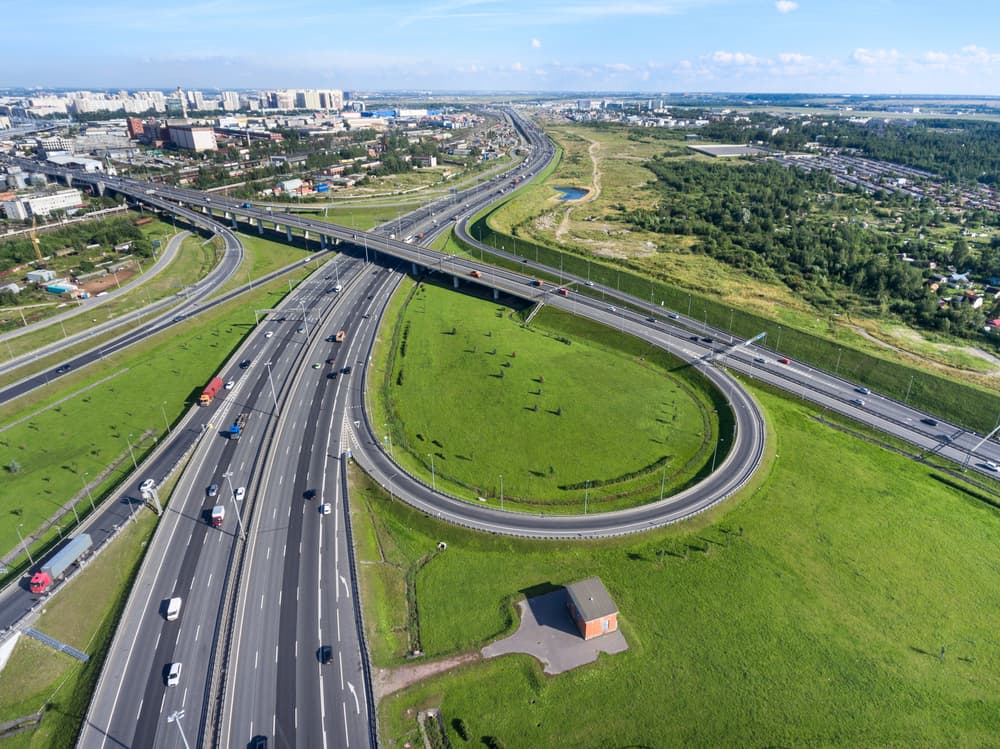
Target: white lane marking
(157,643)
(340,655)
(274,723)
(274,514)
(347,739)
(191,586)
(268,553)
(197,632)
(281,479)
(338,625)
(296,648)
(209,584)
(347,590)
(184,698)
(140,710)
(357,705)
(256,657)
(243,466)
(296,718)
(275,653)
(261,601)
(279,599)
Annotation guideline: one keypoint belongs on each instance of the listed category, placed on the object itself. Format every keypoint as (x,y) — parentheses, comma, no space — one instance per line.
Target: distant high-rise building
(331,99)
(230,101)
(183,101)
(308,99)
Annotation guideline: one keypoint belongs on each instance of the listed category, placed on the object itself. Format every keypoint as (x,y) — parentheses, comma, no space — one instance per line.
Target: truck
(247,205)
(476,274)
(211,389)
(535,282)
(341,335)
(218,515)
(236,430)
(53,569)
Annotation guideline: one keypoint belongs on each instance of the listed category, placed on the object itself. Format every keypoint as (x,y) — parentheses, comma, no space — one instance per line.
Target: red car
(784,360)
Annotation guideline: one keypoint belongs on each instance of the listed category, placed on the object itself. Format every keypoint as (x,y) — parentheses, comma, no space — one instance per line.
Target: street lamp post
(586,496)
(228,476)
(135,466)
(24,545)
(388,437)
(501,491)
(271,380)
(163,410)
(433,479)
(87,487)
(175,717)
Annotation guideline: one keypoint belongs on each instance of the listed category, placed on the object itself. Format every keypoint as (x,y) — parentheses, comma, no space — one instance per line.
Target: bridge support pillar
(100,189)
(260,226)
(416,268)
(234,221)
(305,234)
(454,282)
(288,232)
(496,294)
(204,209)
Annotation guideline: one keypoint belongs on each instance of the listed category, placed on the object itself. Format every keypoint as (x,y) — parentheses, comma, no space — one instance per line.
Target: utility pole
(175,717)
(228,475)
(24,545)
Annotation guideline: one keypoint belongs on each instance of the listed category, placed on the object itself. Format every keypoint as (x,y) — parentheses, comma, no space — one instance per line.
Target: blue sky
(839,46)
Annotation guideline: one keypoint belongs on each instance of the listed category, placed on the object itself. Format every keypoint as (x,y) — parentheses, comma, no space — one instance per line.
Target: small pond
(571,193)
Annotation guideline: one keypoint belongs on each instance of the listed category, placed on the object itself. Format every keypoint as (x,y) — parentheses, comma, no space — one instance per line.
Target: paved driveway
(548,632)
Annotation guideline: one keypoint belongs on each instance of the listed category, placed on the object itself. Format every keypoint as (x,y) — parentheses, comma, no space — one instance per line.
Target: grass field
(539,405)
(262,256)
(55,455)
(83,615)
(810,612)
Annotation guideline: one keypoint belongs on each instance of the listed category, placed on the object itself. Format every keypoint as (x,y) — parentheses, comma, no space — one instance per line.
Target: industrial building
(22,209)
(192,137)
(591,607)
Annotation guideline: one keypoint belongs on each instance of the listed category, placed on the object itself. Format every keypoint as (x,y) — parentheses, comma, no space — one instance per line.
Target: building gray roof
(591,599)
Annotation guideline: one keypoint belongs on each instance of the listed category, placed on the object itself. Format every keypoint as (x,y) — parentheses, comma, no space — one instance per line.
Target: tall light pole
(433,479)
(135,466)
(24,545)
(586,496)
(228,475)
(271,380)
(388,437)
(501,492)
(163,410)
(175,717)
(305,318)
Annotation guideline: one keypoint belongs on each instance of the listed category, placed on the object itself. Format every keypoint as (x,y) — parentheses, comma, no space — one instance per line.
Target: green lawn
(262,256)
(89,432)
(83,615)
(845,600)
(540,405)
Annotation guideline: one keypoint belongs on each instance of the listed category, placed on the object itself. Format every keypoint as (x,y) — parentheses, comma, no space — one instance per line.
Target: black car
(309,493)
(708,340)
(244,364)
(929,422)
(63,369)
(346,370)
(331,375)
(693,337)
(331,338)
(325,654)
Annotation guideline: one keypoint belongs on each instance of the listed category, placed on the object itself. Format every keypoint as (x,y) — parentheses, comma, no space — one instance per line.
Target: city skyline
(572,45)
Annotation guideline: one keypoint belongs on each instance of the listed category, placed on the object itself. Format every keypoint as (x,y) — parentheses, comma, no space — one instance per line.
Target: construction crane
(35,244)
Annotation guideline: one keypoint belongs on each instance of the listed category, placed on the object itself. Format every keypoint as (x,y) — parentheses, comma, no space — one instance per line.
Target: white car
(612,309)
(174,674)
(147,485)
(240,494)
(230,385)
(269,333)
(325,508)
(990,465)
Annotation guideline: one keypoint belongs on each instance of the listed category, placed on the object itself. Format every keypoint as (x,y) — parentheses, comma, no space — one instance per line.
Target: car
(611,309)
(325,654)
(692,338)
(673,315)
(707,339)
(230,385)
(564,292)
(330,360)
(147,485)
(331,375)
(989,465)
(174,674)
(862,390)
(946,438)
(760,360)
(309,493)
(346,370)
(325,508)
(858,401)
(245,363)
(784,360)
(258,742)
(316,365)
(650,319)
(178,318)
(269,333)
(241,493)
(299,329)
(212,490)
(63,369)
(929,421)
(589,283)
(331,338)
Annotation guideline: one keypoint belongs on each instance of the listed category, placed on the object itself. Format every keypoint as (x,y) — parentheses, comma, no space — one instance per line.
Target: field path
(594,192)
(389,680)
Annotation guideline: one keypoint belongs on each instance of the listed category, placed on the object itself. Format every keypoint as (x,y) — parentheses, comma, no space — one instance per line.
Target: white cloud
(618,67)
(875,57)
(536,44)
(734,58)
(793,58)
(517,67)
(786,6)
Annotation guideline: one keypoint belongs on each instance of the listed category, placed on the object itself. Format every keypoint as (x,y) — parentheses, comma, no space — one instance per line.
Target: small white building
(290,185)
(13,288)
(43,275)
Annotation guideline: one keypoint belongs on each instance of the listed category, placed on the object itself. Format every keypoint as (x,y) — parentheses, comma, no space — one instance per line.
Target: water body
(571,193)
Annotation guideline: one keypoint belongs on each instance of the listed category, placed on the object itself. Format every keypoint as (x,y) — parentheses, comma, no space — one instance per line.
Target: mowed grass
(262,255)
(90,431)
(549,410)
(84,615)
(846,600)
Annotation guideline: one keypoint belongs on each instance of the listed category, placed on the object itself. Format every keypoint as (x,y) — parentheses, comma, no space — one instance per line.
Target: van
(173,609)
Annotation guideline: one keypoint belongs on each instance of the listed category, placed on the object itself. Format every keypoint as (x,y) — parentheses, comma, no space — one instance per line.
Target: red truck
(54,568)
(213,387)
(476,274)
(218,515)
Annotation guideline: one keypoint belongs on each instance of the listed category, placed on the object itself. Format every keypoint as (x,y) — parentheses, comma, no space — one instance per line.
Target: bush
(460,728)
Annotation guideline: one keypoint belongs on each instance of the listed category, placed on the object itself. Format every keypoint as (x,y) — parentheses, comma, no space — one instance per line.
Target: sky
(801,46)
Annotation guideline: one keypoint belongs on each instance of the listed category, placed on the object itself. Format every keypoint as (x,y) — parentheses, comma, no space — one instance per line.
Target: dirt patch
(389,680)
(106,283)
